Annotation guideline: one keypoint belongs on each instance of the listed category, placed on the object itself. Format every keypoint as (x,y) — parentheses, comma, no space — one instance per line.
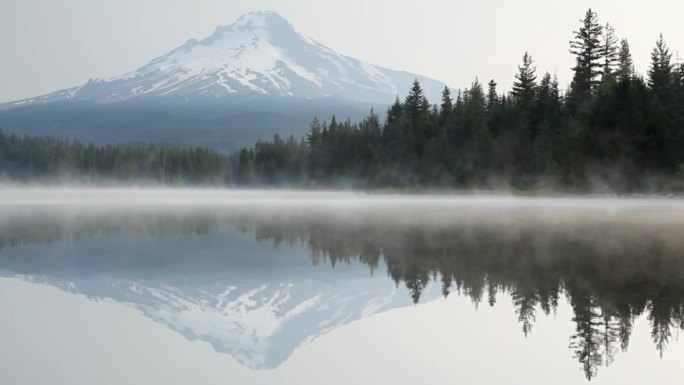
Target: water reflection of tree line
(44,226)
(611,270)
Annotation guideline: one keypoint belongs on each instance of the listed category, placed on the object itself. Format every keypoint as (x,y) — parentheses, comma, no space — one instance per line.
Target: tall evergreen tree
(524,93)
(587,48)
(316,152)
(479,153)
(525,81)
(665,125)
(396,133)
(447,107)
(545,119)
(369,146)
(610,52)
(417,109)
(457,130)
(625,64)
(492,96)
(314,135)
(660,74)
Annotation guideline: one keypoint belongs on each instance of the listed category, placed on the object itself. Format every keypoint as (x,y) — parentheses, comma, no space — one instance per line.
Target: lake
(113,286)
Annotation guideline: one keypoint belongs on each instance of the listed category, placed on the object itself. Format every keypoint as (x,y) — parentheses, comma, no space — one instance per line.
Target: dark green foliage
(280,162)
(610,52)
(613,131)
(47,159)
(587,48)
(525,81)
(447,108)
(666,103)
(417,111)
(492,96)
(625,64)
(661,74)
(478,151)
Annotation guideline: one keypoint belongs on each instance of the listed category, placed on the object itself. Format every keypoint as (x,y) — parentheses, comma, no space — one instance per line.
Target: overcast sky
(48,45)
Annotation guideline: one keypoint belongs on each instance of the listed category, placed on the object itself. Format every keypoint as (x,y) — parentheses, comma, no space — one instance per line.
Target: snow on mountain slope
(260,54)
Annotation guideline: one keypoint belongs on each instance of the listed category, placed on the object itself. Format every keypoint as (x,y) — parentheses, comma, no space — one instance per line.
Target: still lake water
(225,287)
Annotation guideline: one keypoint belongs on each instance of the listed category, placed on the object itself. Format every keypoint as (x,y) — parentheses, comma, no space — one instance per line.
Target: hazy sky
(48,45)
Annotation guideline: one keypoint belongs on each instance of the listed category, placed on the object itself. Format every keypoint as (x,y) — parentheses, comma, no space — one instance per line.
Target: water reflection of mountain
(196,274)
(611,265)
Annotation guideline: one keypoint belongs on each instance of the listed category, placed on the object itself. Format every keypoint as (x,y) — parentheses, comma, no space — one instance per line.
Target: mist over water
(262,276)
(13,195)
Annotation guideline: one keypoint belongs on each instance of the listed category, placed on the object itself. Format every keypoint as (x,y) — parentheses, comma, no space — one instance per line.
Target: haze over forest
(613,129)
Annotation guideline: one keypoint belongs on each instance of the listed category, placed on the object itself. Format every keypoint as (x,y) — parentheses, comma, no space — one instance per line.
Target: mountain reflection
(611,265)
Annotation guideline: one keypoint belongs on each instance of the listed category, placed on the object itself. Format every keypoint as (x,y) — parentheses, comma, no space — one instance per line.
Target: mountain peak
(260,23)
(262,19)
(261,53)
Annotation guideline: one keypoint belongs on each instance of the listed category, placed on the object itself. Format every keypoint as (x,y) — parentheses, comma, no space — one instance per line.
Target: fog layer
(116,197)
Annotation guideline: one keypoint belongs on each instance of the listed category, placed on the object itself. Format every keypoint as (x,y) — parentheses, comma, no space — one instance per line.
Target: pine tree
(544,119)
(660,74)
(314,135)
(479,136)
(625,63)
(447,107)
(610,52)
(668,120)
(492,96)
(417,109)
(414,100)
(522,124)
(496,111)
(371,142)
(314,142)
(587,48)
(525,81)
(457,129)
(395,113)
(395,135)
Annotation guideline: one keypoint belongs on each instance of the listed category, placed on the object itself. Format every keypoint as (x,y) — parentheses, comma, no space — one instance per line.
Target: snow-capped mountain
(261,54)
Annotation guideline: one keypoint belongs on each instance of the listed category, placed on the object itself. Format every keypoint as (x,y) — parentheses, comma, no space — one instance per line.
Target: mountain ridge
(261,53)
(246,81)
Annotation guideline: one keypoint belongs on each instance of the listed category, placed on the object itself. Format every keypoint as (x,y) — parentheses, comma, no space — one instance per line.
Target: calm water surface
(210,287)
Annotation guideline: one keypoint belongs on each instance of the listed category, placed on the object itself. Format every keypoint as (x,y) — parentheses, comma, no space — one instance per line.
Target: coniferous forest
(28,159)
(611,129)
